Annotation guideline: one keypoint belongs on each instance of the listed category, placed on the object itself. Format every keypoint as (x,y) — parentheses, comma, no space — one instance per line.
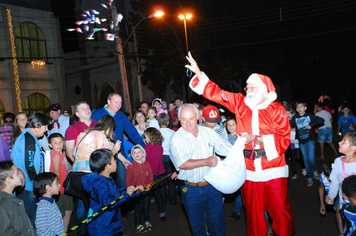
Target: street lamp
(185,18)
(157,14)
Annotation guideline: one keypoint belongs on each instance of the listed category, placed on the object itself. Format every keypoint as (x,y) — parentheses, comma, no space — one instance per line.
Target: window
(36,102)
(30,43)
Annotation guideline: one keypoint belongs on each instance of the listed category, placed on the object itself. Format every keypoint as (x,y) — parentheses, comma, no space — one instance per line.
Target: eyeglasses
(250,87)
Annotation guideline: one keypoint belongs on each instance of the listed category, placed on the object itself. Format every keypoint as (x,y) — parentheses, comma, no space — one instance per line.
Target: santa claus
(266,127)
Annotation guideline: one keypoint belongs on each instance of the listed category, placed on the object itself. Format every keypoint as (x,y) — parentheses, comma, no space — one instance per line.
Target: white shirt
(64,122)
(167,135)
(185,146)
(153,123)
(326,116)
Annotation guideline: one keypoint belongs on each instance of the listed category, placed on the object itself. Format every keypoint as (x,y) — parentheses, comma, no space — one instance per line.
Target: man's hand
(123,160)
(249,138)
(174,175)
(212,161)
(193,65)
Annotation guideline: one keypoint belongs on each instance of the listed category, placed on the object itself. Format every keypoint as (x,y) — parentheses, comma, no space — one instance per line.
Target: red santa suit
(266,178)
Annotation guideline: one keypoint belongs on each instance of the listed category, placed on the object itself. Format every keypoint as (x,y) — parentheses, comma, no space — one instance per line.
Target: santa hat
(264,82)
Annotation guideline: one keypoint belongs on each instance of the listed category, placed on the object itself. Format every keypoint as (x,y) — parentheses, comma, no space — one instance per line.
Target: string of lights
(14,61)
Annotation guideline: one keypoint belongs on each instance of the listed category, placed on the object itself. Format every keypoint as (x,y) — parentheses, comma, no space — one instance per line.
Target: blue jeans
(238,204)
(308,150)
(30,202)
(120,179)
(81,215)
(201,200)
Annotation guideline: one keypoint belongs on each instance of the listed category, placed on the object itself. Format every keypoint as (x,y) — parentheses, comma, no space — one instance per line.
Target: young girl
(158,104)
(154,152)
(152,121)
(60,168)
(140,173)
(231,129)
(140,118)
(343,167)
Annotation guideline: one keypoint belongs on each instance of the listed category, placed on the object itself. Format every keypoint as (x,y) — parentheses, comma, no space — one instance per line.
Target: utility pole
(138,68)
(123,75)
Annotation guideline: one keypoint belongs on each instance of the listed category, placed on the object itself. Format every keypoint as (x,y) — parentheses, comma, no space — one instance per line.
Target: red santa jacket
(268,119)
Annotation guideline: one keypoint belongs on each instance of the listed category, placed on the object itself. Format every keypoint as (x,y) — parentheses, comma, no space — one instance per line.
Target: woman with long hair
(19,125)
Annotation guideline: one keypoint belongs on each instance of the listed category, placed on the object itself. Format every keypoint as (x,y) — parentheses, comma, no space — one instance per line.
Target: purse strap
(76,147)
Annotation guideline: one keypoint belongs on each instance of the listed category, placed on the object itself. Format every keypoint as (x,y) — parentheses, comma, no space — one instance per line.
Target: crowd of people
(125,165)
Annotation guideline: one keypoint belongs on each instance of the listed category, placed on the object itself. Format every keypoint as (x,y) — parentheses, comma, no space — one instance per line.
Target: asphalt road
(304,201)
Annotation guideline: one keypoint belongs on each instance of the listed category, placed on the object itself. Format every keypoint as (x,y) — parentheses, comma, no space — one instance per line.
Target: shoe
(316,175)
(140,229)
(163,218)
(234,216)
(295,176)
(304,172)
(148,226)
(309,182)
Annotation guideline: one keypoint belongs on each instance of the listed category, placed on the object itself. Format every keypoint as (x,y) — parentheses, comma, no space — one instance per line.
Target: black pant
(142,205)
(159,194)
(172,191)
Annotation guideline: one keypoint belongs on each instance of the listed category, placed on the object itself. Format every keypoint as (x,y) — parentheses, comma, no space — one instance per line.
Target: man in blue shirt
(123,124)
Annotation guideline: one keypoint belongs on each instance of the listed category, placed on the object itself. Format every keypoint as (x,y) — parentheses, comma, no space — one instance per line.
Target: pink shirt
(75,129)
(154,156)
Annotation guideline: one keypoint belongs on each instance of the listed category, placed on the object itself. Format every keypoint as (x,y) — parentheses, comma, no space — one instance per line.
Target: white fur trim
(268,174)
(254,79)
(270,147)
(199,89)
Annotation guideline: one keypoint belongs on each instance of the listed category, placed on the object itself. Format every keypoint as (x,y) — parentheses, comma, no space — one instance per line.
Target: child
(102,189)
(154,151)
(346,122)
(140,118)
(348,209)
(13,218)
(140,173)
(60,168)
(305,124)
(48,217)
(293,148)
(167,133)
(232,137)
(343,166)
(324,185)
(158,104)
(152,121)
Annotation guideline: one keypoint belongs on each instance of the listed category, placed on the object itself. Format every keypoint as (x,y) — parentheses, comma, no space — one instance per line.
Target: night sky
(306,47)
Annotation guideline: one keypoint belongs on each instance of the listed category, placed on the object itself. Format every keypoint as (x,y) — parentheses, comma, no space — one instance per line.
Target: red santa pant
(272,196)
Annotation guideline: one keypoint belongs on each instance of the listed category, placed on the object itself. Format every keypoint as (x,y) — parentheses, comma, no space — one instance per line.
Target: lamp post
(157,14)
(185,18)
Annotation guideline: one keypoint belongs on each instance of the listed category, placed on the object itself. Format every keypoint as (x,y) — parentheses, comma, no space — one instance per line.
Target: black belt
(258,153)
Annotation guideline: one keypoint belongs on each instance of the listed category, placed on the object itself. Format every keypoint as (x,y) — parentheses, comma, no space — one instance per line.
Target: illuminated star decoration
(92,23)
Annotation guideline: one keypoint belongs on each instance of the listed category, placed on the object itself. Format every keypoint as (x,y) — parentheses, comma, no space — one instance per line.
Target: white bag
(230,174)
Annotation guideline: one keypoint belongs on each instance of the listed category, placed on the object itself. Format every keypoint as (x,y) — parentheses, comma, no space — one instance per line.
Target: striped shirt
(49,220)
(185,146)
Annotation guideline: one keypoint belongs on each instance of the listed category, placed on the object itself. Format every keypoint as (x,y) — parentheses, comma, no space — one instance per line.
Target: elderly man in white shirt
(193,151)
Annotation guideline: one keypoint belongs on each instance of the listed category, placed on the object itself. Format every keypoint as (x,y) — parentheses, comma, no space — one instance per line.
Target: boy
(167,133)
(346,122)
(325,132)
(13,218)
(140,173)
(102,190)
(48,217)
(324,185)
(305,124)
(211,118)
(60,168)
(348,208)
